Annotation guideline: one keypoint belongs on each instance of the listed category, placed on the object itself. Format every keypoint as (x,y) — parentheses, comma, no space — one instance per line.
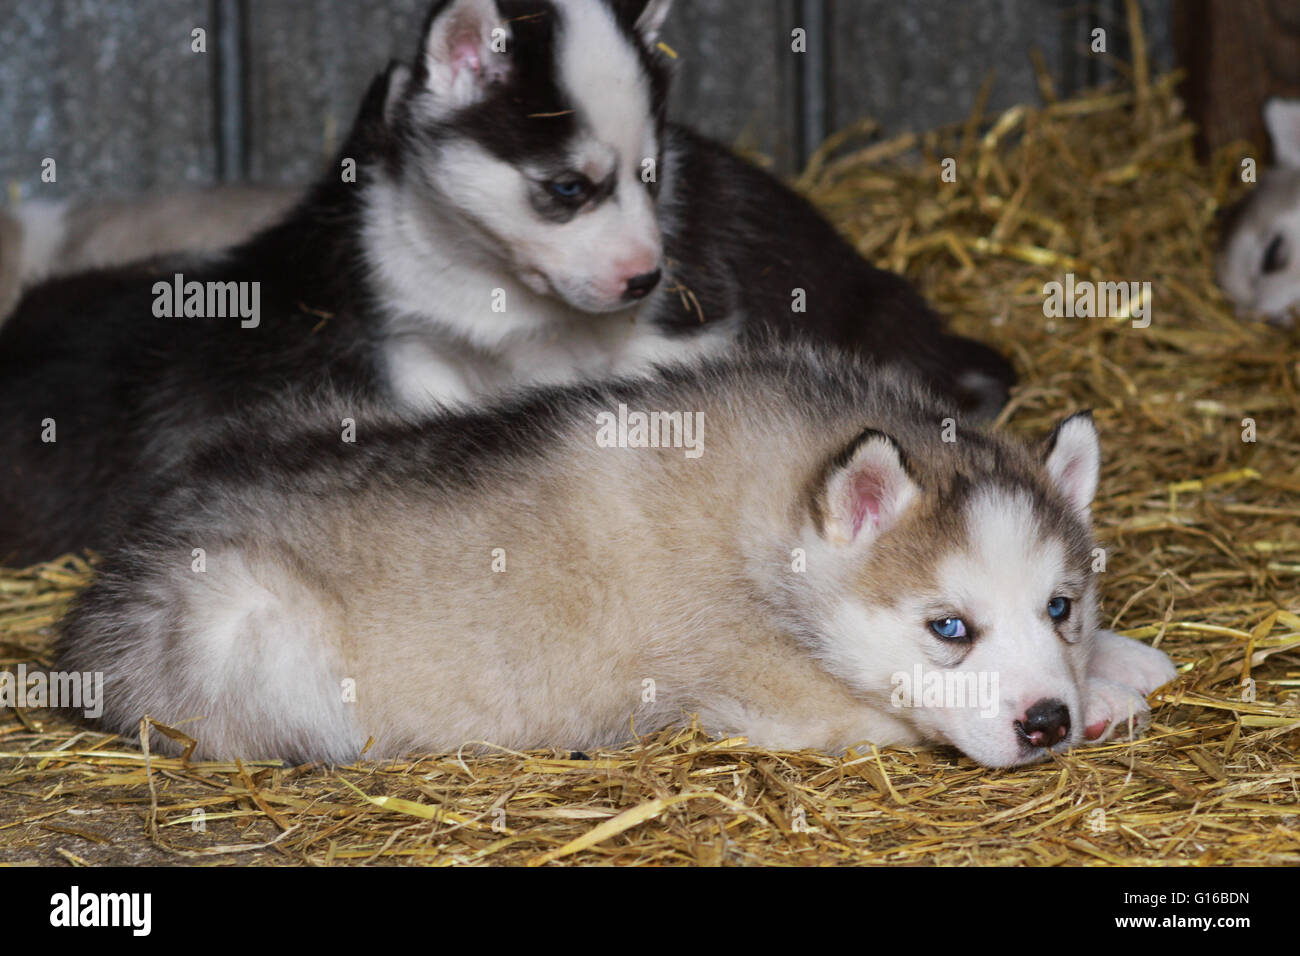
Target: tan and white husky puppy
(795,547)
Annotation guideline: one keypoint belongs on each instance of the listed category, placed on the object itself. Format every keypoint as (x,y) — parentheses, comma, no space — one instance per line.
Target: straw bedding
(1201,529)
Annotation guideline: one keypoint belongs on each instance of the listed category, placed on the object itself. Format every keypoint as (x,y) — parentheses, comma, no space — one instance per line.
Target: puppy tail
(977,376)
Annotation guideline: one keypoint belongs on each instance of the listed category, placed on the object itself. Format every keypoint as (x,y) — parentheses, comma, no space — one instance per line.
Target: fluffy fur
(450,269)
(498,575)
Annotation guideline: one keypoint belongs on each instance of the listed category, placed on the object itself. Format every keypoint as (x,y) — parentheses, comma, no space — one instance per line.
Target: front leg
(1121,673)
(773,691)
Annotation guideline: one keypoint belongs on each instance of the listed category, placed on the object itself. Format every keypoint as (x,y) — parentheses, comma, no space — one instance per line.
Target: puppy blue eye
(567,188)
(1058,608)
(949,628)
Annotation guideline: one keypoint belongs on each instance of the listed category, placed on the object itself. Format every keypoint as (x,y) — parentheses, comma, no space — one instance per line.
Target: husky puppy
(1258,265)
(546,176)
(40,239)
(511,208)
(777,542)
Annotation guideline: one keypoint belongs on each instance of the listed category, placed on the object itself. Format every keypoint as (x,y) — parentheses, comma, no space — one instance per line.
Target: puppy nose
(1046,723)
(638,287)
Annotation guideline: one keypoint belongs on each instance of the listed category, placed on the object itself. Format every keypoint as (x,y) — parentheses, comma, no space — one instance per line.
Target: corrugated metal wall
(111,90)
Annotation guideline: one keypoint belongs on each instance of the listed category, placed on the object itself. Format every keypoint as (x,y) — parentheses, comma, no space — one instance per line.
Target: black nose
(1046,723)
(638,287)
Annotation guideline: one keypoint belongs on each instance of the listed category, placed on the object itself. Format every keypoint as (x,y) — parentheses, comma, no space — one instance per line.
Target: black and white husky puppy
(512,208)
(790,545)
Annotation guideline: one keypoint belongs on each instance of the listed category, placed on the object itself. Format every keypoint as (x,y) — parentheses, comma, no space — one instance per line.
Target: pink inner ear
(1069,480)
(1072,480)
(464,54)
(867,492)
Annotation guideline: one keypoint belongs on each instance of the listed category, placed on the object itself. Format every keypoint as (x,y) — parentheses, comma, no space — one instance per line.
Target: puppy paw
(1113,711)
(1129,662)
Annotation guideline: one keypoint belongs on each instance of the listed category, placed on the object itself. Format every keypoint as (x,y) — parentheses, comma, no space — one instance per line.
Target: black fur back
(129,392)
(772,242)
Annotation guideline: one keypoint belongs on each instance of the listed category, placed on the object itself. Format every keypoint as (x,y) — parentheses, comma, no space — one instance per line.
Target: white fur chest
(426,368)
(460,326)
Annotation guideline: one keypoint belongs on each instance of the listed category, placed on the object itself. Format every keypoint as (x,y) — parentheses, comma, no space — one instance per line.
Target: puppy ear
(1073,460)
(397,79)
(651,21)
(465,49)
(865,490)
(1282,117)
(646,17)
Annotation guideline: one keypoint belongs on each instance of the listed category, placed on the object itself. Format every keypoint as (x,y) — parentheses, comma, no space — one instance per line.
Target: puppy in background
(1258,264)
(42,239)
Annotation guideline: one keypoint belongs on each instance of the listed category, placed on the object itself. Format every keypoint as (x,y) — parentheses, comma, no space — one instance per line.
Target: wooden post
(1237,54)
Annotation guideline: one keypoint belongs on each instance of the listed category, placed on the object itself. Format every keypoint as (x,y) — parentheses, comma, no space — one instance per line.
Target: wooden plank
(310,61)
(1237,53)
(309,64)
(735,75)
(111,92)
(919,65)
(916,66)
